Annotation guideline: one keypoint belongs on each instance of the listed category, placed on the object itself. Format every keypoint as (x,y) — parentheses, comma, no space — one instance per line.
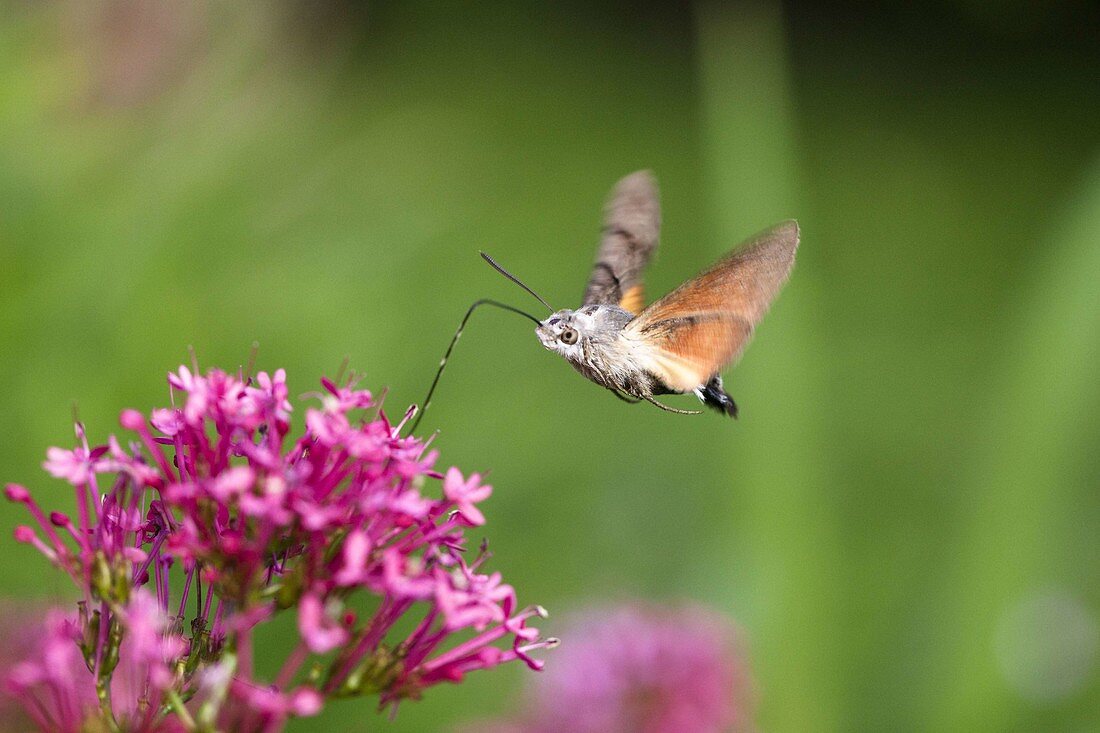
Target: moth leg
(624,398)
(666,408)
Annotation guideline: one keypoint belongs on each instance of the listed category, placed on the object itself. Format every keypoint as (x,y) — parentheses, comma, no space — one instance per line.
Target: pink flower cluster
(640,668)
(211,521)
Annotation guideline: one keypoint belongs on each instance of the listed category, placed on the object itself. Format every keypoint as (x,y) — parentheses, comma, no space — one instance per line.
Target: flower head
(641,669)
(466,493)
(212,497)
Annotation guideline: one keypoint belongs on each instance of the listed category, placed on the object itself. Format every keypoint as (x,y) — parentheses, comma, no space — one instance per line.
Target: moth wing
(631,228)
(702,326)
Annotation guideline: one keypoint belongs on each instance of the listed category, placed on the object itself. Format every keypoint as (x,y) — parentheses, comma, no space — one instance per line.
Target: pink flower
(342,399)
(273,392)
(356,555)
(186,541)
(465,493)
(320,633)
(642,669)
(21,635)
(57,691)
(278,705)
(232,483)
(404,577)
(75,466)
(169,422)
(53,684)
(151,643)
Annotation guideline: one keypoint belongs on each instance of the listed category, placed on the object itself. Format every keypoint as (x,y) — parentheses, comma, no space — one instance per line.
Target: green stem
(177,706)
(103,693)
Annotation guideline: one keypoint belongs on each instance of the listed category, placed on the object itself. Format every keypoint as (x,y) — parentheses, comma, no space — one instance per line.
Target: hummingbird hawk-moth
(677,344)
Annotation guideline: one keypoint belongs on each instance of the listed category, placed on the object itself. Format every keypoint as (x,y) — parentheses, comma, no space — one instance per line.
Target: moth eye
(569,336)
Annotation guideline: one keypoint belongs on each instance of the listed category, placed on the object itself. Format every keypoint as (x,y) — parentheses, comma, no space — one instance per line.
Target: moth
(678,344)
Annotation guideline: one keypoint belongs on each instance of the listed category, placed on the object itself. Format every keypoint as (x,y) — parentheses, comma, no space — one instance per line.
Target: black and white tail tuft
(712,395)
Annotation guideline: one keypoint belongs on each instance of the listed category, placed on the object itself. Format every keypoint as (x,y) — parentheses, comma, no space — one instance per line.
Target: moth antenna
(454,340)
(516,280)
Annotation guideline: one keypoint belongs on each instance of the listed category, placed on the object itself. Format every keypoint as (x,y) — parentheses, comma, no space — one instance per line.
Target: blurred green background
(903,522)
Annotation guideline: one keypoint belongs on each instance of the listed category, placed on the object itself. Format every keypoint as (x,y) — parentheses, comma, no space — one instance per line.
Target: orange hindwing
(702,326)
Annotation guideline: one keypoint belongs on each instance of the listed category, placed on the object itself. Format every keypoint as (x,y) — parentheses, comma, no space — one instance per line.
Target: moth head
(566,331)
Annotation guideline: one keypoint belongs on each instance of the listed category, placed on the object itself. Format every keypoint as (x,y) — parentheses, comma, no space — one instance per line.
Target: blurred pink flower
(21,633)
(641,669)
(55,688)
(53,685)
(185,540)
